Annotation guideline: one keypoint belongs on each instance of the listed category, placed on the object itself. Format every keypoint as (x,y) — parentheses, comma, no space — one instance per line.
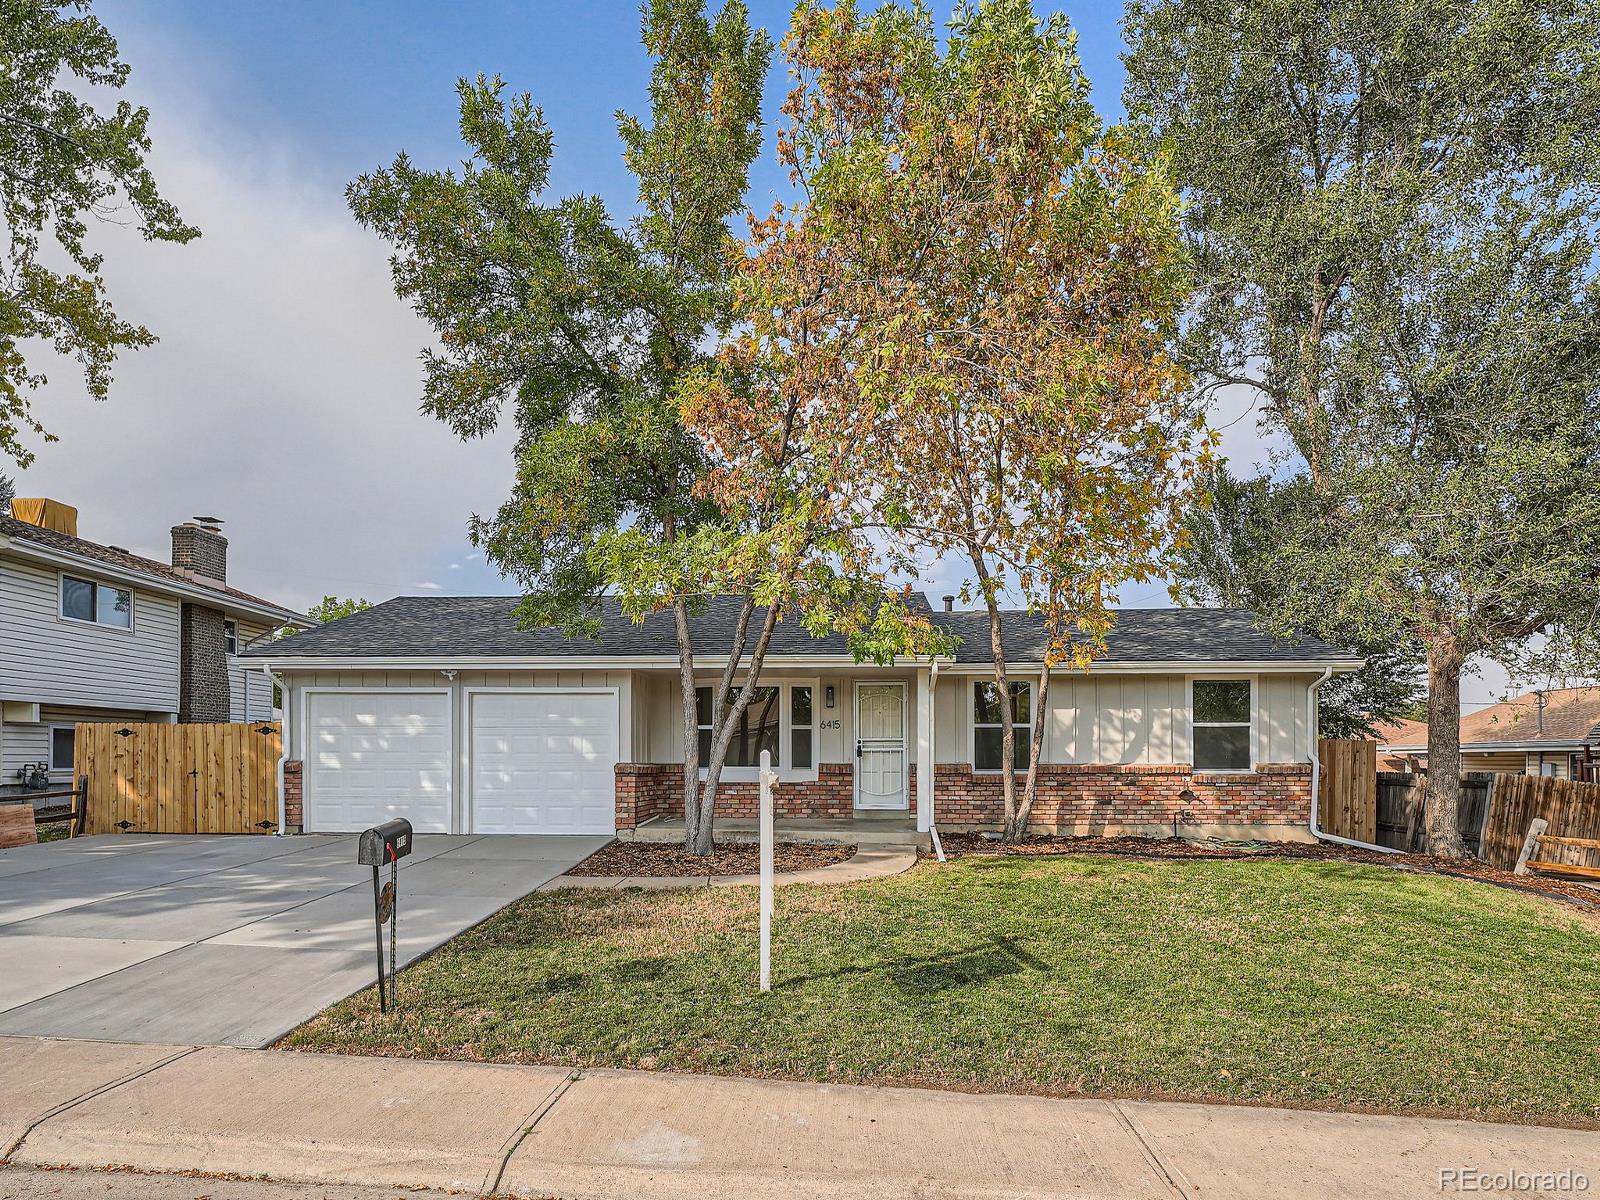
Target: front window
(762,727)
(230,636)
(63,747)
(97,603)
(986,731)
(1222,724)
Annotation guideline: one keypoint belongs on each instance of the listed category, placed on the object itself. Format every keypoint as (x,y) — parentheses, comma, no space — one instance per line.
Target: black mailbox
(384,844)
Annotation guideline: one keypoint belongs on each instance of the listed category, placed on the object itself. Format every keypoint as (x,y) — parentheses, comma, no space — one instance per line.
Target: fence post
(1536,827)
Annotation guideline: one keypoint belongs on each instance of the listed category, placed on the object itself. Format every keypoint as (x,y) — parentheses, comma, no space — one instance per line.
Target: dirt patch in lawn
(659,860)
(1578,894)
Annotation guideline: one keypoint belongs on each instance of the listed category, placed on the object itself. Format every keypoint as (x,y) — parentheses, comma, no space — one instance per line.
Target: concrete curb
(868,862)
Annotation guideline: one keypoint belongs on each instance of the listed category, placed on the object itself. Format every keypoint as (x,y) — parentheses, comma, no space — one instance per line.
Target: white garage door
(371,756)
(543,762)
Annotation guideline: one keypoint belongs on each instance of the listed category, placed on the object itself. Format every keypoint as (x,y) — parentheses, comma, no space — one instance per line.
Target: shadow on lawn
(927,974)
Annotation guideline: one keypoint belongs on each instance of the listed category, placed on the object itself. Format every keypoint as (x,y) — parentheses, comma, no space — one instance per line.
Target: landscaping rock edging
(868,862)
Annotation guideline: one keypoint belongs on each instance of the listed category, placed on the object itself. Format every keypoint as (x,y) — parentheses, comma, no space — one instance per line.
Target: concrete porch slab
(310,1117)
(864,829)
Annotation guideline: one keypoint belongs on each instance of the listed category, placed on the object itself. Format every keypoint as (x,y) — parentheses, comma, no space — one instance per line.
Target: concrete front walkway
(229,940)
(542,1131)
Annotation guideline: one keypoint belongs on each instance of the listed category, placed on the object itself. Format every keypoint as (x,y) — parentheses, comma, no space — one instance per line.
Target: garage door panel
(544,762)
(378,755)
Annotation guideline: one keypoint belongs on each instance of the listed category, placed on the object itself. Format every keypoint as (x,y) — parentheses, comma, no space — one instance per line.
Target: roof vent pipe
(949,603)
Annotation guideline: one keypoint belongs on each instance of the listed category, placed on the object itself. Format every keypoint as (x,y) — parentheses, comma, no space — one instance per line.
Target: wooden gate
(159,778)
(1347,789)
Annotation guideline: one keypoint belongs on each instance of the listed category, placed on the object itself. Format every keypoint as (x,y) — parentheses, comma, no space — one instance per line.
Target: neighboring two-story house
(91,632)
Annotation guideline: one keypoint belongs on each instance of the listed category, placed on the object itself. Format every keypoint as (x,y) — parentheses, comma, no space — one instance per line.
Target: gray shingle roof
(115,556)
(485,627)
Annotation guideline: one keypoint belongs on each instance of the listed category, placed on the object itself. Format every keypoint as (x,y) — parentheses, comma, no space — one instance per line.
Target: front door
(881,745)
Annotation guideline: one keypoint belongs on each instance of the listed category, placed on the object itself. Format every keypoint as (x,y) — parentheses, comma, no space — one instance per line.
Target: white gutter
(1316,774)
(596,662)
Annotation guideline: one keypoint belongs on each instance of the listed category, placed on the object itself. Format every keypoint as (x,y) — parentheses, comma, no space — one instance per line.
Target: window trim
(61,602)
(972,726)
(1255,721)
(50,747)
(786,773)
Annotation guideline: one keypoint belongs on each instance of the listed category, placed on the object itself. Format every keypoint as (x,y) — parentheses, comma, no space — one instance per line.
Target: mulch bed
(662,859)
(962,844)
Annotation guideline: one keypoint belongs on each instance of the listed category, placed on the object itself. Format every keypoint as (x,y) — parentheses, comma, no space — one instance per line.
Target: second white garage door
(543,762)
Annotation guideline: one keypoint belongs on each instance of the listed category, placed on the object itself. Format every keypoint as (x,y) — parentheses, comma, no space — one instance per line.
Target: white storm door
(543,762)
(881,745)
(371,756)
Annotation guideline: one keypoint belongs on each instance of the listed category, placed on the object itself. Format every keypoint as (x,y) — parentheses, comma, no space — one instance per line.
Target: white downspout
(283,743)
(1316,773)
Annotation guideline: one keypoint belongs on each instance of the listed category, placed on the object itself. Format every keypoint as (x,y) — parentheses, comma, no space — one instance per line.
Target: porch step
(875,829)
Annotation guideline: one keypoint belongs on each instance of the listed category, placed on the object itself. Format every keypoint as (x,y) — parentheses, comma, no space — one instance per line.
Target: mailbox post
(386,843)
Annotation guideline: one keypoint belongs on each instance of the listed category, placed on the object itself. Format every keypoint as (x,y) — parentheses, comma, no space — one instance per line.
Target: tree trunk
(1445,661)
(1008,727)
(691,727)
(1030,786)
(727,720)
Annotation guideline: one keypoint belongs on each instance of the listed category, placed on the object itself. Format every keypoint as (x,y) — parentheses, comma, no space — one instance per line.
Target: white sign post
(767,780)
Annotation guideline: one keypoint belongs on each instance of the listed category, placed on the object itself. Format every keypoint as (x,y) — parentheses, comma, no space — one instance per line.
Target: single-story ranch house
(442,710)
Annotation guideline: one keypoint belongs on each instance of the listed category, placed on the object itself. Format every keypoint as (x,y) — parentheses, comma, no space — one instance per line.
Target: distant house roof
(441,627)
(14,531)
(1571,717)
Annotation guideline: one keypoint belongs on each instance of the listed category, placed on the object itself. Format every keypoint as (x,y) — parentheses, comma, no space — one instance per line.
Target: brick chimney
(200,551)
(199,548)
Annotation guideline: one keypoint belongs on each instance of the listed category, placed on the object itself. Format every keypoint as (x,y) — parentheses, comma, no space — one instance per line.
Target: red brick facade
(1079,798)
(646,790)
(292,809)
(1086,798)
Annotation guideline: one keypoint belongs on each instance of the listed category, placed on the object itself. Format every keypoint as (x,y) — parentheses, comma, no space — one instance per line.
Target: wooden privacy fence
(156,778)
(1571,808)
(1347,798)
(1400,809)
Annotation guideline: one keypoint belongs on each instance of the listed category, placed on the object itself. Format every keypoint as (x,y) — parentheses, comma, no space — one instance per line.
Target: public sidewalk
(539,1131)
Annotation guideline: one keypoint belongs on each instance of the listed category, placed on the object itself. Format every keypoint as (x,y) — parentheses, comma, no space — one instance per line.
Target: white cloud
(283,394)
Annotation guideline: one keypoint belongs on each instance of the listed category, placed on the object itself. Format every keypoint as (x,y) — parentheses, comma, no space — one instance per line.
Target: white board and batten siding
(45,659)
(485,752)
(1117,719)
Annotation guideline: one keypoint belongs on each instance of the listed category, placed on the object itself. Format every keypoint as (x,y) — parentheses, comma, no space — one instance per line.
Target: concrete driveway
(229,940)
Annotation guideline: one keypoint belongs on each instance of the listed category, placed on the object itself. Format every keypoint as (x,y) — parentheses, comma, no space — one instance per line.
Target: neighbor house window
(230,636)
(764,727)
(986,730)
(63,747)
(98,603)
(1222,725)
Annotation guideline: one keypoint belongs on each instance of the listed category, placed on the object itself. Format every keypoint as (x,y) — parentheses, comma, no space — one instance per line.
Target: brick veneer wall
(1084,798)
(202,665)
(293,811)
(646,790)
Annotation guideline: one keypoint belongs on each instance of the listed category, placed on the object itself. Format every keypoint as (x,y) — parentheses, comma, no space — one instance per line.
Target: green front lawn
(1264,981)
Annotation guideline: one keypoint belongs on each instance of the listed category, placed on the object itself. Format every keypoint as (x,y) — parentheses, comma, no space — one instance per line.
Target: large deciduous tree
(1392,212)
(582,325)
(994,274)
(62,161)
